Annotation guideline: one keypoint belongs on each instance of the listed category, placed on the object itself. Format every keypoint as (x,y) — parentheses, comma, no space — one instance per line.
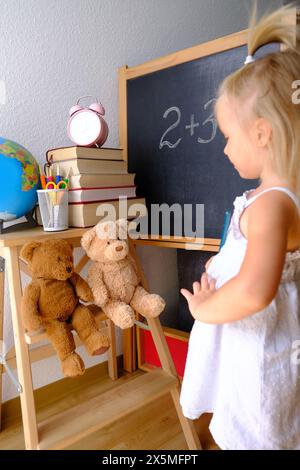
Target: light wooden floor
(154,428)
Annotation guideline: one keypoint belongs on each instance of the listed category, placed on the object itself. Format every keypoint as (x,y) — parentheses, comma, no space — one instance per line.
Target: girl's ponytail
(265,88)
(275,27)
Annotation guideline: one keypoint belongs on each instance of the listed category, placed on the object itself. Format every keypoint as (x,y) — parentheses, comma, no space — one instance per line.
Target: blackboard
(174,145)
(176,150)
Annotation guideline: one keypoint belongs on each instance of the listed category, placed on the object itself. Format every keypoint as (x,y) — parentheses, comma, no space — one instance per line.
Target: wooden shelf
(19,238)
(63,429)
(183,243)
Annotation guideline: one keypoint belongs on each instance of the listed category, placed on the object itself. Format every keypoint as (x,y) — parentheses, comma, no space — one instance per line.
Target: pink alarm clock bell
(86,126)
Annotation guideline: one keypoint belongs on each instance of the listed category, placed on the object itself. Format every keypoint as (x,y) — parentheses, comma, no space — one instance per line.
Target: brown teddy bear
(51,301)
(113,275)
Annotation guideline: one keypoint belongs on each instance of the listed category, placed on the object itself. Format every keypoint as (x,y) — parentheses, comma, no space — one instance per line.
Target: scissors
(60,185)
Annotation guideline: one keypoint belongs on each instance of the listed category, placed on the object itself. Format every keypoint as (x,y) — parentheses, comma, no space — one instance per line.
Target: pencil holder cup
(54,209)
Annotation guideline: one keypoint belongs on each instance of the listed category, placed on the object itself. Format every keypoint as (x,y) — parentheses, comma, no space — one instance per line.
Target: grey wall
(53,51)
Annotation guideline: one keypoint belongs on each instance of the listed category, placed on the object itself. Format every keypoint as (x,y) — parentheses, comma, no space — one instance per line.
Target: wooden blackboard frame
(126,73)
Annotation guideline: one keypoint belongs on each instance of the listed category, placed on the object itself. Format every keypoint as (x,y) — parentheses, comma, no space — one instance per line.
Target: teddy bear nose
(119,248)
(68,269)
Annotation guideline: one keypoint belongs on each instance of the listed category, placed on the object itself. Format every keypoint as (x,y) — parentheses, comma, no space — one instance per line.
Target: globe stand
(30,223)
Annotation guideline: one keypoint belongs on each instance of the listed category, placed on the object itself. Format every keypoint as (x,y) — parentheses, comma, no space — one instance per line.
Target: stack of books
(96,176)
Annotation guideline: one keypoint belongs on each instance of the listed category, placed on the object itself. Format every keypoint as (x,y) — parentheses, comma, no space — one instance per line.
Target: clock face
(84,127)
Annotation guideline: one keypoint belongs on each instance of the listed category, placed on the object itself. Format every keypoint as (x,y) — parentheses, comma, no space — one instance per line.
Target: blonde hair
(268,80)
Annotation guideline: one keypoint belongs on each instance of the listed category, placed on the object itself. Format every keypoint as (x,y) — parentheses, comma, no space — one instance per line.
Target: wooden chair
(63,429)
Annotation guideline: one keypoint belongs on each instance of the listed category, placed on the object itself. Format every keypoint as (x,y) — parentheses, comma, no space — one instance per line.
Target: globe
(19,180)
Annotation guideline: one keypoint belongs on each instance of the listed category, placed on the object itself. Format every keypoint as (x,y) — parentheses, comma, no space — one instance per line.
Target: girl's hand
(201,291)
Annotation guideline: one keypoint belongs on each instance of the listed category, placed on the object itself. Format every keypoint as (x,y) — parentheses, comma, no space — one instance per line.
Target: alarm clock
(86,125)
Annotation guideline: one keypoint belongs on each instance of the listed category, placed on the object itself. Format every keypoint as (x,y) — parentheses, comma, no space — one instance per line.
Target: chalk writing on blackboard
(173,126)
(191,126)
(211,119)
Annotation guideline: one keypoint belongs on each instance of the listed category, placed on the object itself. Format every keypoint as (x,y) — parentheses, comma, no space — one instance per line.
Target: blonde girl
(243,361)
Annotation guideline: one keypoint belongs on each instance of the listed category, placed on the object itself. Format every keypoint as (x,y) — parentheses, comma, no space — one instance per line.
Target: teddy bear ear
(27,250)
(122,228)
(106,230)
(70,244)
(87,238)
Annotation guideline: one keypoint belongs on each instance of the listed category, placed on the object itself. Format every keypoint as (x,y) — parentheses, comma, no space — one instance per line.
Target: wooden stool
(63,429)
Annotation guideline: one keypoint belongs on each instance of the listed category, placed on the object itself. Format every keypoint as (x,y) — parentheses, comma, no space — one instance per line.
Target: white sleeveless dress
(248,372)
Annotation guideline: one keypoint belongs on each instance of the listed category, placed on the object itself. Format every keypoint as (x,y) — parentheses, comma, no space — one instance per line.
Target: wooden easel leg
(167,363)
(168,366)
(187,425)
(1,328)
(161,345)
(129,350)
(22,353)
(112,352)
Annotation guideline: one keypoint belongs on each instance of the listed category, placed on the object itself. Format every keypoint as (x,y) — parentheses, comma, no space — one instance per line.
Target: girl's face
(240,139)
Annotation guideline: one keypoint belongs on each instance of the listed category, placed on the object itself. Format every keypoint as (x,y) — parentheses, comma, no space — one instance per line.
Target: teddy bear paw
(86,296)
(73,365)
(100,298)
(154,304)
(96,344)
(122,316)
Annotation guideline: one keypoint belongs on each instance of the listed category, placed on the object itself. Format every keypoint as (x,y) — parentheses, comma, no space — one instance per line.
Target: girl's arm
(269,221)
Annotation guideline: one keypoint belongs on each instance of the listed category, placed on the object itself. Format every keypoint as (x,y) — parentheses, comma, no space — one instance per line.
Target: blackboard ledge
(184,243)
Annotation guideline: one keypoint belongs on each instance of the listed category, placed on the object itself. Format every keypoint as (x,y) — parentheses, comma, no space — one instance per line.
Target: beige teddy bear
(113,275)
